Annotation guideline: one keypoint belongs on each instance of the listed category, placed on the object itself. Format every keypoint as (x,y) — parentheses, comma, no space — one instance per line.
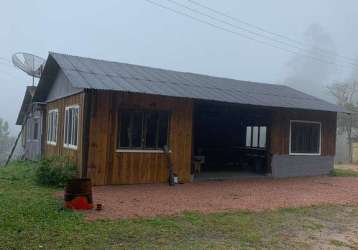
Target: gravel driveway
(148,200)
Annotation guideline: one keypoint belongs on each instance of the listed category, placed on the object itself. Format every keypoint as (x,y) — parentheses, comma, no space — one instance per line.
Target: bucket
(78,194)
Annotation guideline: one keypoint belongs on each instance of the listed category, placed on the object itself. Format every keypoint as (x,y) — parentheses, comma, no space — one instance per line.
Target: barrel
(78,194)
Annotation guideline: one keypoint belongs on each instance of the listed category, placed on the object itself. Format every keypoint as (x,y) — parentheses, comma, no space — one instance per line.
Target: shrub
(55,171)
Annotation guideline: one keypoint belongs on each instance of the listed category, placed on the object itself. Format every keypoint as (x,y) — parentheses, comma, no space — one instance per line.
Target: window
(305,137)
(71,127)
(32,129)
(35,133)
(52,123)
(143,130)
(256,136)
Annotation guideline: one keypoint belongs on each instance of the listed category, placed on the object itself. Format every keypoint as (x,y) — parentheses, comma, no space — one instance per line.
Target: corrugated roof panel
(99,74)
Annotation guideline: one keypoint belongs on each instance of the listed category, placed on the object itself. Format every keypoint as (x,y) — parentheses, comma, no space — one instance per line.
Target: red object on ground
(79,203)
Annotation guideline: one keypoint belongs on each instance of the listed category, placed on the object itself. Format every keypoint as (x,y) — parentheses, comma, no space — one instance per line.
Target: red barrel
(78,194)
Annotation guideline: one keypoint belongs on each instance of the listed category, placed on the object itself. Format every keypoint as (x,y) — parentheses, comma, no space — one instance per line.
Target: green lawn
(344,171)
(31,218)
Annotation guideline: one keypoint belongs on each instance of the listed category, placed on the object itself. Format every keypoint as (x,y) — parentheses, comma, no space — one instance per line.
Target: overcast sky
(138,32)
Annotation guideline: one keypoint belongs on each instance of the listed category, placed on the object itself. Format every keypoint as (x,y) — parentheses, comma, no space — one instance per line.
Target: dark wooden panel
(106,166)
(280,129)
(59,149)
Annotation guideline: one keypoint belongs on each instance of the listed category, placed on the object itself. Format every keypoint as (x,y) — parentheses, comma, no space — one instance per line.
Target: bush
(55,171)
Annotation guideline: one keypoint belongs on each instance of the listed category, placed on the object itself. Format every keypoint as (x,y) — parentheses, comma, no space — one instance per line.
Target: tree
(310,75)
(5,140)
(346,95)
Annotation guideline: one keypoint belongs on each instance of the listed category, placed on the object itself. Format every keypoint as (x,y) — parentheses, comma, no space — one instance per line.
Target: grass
(31,218)
(344,172)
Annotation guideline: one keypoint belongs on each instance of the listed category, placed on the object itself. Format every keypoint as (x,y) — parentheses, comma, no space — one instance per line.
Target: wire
(255,33)
(267,31)
(238,34)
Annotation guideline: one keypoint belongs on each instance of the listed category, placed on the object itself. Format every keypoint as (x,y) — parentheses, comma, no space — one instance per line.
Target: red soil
(148,200)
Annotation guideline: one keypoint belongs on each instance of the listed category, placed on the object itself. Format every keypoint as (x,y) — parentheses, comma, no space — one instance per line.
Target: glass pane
(255,136)
(305,137)
(66,126)
(131,129)
(124,121)
(136,126)
(70,124)
(163,129)
(55,127)
(151,129)
(262,139)
(248,136)
(49,126)
(75,127)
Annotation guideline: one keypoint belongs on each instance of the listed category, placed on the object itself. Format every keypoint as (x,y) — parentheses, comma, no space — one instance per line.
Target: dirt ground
(149,200)
(353,167)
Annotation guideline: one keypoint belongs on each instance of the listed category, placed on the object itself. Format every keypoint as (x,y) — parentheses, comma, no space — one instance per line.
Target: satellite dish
(30,64)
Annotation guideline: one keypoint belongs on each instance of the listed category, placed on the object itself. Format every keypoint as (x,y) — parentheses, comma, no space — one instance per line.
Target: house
(114,118)
(30,117)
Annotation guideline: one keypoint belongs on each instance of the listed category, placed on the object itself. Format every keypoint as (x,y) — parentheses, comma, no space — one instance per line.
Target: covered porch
(231,141)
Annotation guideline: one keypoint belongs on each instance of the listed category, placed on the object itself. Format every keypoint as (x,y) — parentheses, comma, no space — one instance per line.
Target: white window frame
(54,142)
(68,145)
(320,137)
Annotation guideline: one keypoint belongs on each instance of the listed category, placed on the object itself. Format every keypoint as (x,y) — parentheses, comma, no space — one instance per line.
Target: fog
(138,32)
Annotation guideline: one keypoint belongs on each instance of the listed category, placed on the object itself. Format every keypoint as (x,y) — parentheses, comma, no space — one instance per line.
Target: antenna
(29,63)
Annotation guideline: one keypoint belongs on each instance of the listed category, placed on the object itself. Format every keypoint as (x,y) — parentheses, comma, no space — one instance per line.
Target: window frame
(68,145)
(54,143)
(119,149)
(320,137)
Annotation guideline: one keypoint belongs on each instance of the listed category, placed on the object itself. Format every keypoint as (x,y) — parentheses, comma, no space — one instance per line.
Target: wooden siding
(59,149)
(106,166)
(280,129)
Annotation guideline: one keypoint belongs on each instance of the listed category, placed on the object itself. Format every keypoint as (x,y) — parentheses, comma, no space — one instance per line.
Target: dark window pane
(163,129)
(151,129)
(70,124)
(131,129)
(75,125)
(136,129)
(305,137)
(124,120)
(147,129)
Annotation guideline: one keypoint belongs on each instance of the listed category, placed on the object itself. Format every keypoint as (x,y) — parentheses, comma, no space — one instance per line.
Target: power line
(253,32)
(239,34)
(267,31)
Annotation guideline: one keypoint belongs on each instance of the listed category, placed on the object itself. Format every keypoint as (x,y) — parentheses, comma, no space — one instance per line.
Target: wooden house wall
(59,149)
(280,129)
(106,166)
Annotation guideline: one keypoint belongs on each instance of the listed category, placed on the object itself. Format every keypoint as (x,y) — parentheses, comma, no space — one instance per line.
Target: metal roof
(30,91)
(90,73)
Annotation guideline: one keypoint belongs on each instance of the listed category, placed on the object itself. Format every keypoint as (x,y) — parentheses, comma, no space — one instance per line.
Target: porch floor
(256,194)
(226,175)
